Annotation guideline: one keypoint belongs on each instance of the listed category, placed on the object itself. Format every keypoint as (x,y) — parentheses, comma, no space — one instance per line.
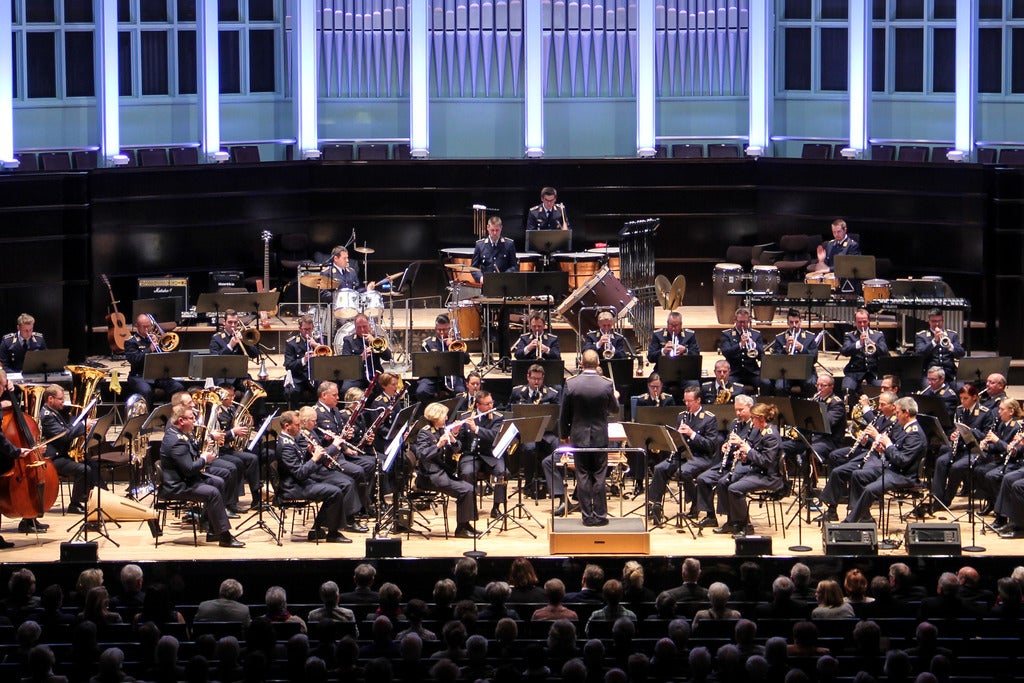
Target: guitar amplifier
(160,287)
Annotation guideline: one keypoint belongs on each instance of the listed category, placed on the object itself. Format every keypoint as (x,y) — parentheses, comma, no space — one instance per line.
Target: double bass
(31,486)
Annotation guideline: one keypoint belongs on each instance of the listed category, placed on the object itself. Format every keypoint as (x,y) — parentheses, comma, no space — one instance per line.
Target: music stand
(164,310)
(209,302)
(659,437)
(548,241)
(978,368)
(725,413)
(917,289)
(166,365)
(793,368)
(658,415)
(860,267)
(907,368)
(255,301)
(679,371)
(45,362)
(799,290)
(552,369)
(936,408)
(510,430)
(255,520)
(101,517)
(437,364)
(783,406)
(336,369)
(504,286)
(219,367)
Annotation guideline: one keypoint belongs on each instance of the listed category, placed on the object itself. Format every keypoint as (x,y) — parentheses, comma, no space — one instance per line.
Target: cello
(31,486)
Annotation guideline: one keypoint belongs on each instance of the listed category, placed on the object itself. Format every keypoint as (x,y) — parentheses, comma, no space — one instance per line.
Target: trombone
(164,342)
(248,336)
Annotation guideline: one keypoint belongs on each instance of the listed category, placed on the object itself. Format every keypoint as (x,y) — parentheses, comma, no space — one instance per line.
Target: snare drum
(876,289)
(603,291)
(372,304)
(464,256)
(611,255)
(346,304)
(528,261)
(580,265)
(466,319)
(764,279)
(726,277)
(822,278)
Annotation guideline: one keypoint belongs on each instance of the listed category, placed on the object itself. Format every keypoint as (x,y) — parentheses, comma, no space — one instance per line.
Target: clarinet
(1012,448)
(384,414)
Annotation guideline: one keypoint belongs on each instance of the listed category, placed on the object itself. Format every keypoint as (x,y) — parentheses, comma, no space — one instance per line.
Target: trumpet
(165,342)
(540,350)
(870,348)
(675,346)
(607,348)
(749,344)
(944,340)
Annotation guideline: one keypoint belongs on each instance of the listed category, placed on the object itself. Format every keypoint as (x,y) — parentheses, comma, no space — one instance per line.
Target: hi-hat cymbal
(319,282)
(365,250)
(459,267)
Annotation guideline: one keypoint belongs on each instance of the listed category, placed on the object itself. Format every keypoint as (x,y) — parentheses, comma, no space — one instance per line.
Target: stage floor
(136,542)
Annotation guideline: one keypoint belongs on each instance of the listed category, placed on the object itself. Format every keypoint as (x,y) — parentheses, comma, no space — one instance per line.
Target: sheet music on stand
(82,416)
(259,432)
(505,439)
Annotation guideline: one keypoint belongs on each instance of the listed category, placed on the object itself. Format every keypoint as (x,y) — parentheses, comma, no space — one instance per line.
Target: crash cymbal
(662,287)
(678,292)
(459,267)
(365,250)
(318,282)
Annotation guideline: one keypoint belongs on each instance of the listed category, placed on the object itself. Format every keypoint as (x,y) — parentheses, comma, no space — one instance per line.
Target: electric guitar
(117,327)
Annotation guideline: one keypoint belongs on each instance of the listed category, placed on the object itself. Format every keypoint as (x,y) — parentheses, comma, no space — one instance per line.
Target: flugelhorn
(165,341)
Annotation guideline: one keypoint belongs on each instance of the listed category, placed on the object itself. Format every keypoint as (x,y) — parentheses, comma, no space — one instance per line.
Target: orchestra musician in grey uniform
(432,451)
(494,253)
(901,454)
(863,347)
(537,344)
(549,214)
(699,429)
(757,468)
(587,401)
(795,341)
(15,345)
(708,480)
(477,436)
(720,390)
(606,341)
(938,346)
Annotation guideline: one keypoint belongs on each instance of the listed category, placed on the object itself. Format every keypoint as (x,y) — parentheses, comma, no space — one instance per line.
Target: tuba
(243,417)
(86,380)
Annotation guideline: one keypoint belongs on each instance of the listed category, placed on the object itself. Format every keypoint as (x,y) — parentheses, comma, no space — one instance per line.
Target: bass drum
(345,330)
(603,291)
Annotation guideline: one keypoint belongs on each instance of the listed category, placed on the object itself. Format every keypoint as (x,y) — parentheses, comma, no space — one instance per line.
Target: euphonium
(213,400)
(243,417)
(86,379)
(166,341)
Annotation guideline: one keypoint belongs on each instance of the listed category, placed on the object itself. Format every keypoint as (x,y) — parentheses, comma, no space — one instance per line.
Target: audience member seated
(443,609)
(782,605)
(884,603)
(497,594)
(613,609)
(718,596)
(158,608)
(129,601)
(524,582)
(805,638)
(277,609)
(634,592)
(415,613)
(390,605)
(554,591)
(1008,602)
(465,576)
(363,578)
(665,607)
(590,590)
(453,635)
(947,603)
(226,607)
(330,610)
(855,584)
(690,590)
(97,609)
(382,643)
(830,602)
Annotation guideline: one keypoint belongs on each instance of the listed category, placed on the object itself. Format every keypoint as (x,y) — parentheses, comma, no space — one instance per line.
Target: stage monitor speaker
(160,287)
(383,547)
(753,545)
(933,539)
(853,538)
(79,552)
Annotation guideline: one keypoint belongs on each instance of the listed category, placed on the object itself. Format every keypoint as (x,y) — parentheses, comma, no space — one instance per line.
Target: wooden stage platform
(136,542)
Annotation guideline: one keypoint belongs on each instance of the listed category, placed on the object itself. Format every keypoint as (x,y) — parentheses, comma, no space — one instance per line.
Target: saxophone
(723,397)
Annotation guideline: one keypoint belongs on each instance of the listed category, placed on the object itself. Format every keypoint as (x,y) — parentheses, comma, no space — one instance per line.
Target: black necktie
(24,344)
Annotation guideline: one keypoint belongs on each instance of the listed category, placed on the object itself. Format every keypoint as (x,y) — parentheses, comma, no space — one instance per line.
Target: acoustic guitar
(117,328)
(264,285)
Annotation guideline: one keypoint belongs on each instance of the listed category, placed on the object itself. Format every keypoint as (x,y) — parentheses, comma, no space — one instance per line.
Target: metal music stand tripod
(647,436)
(101,517)
(258,523)
(526,430)
(401,428)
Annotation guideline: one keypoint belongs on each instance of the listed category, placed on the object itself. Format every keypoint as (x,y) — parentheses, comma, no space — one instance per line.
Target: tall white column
(208,81)
(966,95)
(646,100)
(533,87)
(109,115)
(860,78)
(419,78)
(304,91)
(762,76)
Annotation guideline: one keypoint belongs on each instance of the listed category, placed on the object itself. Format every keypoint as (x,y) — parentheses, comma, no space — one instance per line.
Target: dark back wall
(63,230)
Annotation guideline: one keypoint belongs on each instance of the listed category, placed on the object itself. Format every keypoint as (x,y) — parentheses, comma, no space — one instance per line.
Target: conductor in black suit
(548,215)
(586,402)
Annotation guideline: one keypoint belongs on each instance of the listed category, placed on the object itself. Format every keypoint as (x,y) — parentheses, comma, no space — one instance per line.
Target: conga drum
(580,265)
(611,256)
(461,255)
(822,278)
(528,261)
(876,289)
(726,277)
(765,280)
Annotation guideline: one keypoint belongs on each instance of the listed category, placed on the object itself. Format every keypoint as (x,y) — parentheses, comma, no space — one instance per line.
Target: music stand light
(336,369)
(45,362)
